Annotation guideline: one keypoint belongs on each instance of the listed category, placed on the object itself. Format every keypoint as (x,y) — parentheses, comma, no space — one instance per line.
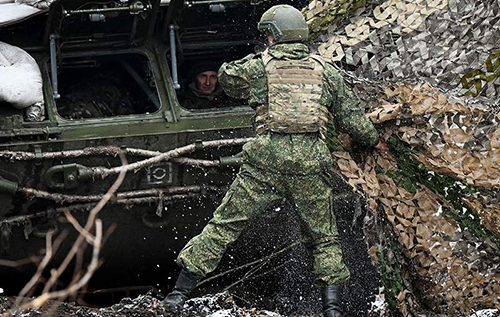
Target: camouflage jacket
(246,79)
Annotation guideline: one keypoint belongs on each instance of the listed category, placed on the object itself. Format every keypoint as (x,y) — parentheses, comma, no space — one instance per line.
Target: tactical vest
(294,93)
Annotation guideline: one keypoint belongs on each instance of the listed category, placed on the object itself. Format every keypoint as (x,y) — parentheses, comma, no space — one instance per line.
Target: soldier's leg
(251,191)
(312,197)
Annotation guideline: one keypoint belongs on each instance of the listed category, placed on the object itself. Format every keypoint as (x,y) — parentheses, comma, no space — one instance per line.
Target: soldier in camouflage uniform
(294,94)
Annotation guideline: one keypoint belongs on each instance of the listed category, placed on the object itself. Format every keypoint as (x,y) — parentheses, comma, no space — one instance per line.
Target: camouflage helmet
(284,23)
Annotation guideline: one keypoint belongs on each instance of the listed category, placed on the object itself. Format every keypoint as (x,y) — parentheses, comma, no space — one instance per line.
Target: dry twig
(30,260)
(76,225)
(107,151)
(90,151)
(63,198)
(104,172)
(127,202)
(91,220)
(250,276)
(96,241)
(50,250)
(48,255)
(261,260)
(94,264)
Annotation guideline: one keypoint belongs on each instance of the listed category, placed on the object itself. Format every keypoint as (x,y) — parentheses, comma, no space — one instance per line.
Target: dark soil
(282,285)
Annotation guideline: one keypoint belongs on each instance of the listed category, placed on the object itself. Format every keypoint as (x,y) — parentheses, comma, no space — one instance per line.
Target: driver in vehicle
(204,91)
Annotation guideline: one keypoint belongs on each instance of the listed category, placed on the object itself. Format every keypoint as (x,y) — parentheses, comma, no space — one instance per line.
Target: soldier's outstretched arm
(348,116)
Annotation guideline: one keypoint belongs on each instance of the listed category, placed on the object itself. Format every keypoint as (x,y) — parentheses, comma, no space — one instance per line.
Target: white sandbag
(20,77)
(40,4)
(11,12)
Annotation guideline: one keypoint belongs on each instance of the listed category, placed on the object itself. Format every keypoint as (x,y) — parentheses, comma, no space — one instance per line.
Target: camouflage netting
(438,188)
(451,43)
(427,72)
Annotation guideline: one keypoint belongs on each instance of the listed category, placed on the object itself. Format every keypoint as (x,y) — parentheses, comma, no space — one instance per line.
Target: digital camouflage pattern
(279,165)
(246,79)
(253,191)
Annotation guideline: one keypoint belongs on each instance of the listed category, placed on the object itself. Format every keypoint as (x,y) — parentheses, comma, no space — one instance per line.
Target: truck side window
(106,86)
(202,89)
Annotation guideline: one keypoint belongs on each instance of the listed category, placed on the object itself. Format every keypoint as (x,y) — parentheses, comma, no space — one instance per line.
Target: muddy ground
(281,287)
(217,305)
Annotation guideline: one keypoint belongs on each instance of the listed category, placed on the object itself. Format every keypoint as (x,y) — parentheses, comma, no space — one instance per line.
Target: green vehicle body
(143,244)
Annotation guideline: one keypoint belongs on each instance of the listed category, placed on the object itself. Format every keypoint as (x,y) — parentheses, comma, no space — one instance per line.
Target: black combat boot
(185,284)
(330,296)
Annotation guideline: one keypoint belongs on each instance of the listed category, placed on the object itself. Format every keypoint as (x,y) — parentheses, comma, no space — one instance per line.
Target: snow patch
(486,313)
(221,313)
(438,212)
(220,305)
(379,306)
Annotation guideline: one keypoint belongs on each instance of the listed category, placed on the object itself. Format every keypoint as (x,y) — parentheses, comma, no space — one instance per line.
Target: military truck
(112,73)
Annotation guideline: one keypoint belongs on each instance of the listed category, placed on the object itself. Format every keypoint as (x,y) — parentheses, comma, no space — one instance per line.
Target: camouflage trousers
(253,191)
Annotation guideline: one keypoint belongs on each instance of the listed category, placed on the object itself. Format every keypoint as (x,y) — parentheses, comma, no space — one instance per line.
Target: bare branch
(196,162)
(250,275)
(90,151)
(49,252)
(128,202)
(30,260)
(264,259)
(77,272)
(76,225)
(75,249)
(90,223)
(104,172)
(93,266)
(62,198)
(36,277)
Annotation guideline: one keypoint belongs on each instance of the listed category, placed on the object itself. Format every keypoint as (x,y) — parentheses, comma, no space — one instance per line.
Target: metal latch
(67,176)
(38,154)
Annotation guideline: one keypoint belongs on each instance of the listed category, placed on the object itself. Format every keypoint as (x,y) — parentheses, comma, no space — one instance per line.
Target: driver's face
(270,39)
(207,81)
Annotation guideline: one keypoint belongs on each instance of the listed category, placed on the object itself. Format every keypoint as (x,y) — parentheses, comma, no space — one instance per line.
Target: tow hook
(7,186)
(67,176)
